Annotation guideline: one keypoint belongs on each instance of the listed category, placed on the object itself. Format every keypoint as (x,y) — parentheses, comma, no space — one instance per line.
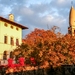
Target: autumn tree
(47,46)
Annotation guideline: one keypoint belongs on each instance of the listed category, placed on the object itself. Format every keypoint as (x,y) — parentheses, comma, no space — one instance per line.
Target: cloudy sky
(42,14)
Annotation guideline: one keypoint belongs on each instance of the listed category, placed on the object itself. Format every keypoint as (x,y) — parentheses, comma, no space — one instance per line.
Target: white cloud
(6,10)
(61,1)
(26,11)
(18,18)
(48,18)
(38,13)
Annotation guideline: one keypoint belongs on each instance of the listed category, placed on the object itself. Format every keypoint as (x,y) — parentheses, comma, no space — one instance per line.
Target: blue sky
(38,13)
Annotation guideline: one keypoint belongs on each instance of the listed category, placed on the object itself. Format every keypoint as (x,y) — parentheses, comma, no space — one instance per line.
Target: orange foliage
(39,35)
(47,46)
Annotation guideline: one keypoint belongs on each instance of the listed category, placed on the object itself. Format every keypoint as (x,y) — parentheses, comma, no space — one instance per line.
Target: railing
(63,70)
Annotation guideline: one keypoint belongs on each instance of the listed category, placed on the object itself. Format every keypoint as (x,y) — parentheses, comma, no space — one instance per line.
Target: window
(12,27)
(5,39)
(11,41)
(5,53)
(5,24)
(17,28)
(11,55)
(17,42)
(74,32)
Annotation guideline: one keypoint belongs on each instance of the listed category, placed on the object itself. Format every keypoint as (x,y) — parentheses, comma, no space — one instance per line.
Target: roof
(12,22)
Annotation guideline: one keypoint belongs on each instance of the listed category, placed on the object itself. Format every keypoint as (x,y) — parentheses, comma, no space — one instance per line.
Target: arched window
(5,53)
(17,42)
(11,55)
(11,41)
(5,39)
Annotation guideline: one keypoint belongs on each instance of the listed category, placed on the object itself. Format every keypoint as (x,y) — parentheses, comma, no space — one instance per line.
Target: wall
(8,31)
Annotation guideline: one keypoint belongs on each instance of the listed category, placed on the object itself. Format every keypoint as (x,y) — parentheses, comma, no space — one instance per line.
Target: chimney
(11,17)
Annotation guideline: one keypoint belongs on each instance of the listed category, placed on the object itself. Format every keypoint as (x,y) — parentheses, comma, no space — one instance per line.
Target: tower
(71,28)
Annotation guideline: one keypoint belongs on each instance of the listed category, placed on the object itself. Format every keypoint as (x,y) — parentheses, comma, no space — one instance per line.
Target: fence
(63,70)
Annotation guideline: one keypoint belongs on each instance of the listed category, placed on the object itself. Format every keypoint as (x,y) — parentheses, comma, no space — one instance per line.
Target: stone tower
(71,28)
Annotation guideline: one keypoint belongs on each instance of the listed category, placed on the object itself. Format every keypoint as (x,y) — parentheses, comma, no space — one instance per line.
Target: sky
(42,14)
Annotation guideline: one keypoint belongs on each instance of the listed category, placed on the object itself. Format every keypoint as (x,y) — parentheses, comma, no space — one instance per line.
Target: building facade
(71,28)
(10,34)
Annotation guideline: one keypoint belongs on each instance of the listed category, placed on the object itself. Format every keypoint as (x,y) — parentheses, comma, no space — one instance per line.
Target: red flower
(32,59)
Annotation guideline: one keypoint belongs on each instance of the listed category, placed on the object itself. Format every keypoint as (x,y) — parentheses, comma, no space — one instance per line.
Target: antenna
(71,3)
(47,26)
